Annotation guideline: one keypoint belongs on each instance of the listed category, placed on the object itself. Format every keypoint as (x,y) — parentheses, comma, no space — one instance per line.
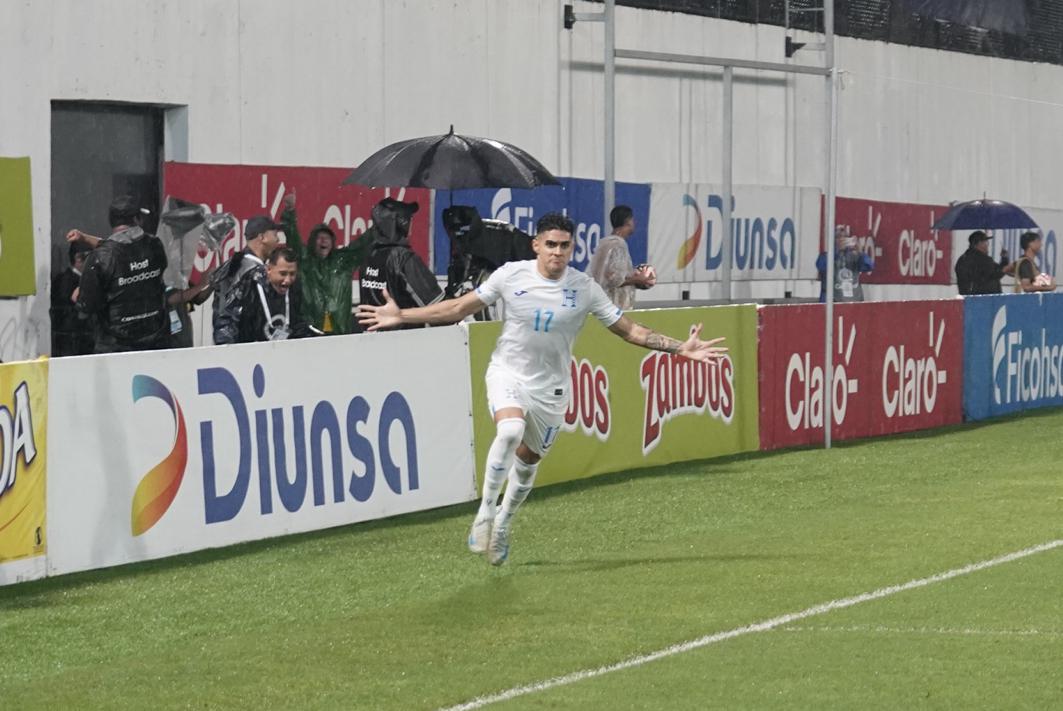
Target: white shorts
(542,423)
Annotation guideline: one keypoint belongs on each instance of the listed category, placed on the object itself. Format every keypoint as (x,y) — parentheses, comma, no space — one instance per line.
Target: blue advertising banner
(581,199)
(1013,354)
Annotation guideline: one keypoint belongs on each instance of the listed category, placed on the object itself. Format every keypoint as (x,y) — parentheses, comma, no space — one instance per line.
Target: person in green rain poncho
(325,271)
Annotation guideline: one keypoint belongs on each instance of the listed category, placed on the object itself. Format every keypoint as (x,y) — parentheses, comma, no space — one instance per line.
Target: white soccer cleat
(498,547)
(480,534)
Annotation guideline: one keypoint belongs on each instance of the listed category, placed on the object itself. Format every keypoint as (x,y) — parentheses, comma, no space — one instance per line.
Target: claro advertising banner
(175,451)
(774,232)
(1013,353)
(23,465)
(248,190)
(898,366)
(898,237)
(631,407)
(581,199)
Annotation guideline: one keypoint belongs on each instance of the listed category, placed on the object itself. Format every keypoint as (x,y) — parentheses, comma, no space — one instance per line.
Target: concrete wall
(326,82)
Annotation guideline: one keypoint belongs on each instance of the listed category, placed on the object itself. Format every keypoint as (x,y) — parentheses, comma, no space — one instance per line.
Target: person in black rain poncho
(392,265)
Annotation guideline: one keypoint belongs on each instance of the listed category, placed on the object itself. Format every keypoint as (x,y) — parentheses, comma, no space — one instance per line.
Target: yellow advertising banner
(632,407)
(23,455)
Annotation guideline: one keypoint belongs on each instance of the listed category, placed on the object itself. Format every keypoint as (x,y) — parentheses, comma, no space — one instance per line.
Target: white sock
(521,480)
(500,456)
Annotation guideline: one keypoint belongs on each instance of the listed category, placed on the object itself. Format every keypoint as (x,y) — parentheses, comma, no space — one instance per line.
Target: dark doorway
(100,151)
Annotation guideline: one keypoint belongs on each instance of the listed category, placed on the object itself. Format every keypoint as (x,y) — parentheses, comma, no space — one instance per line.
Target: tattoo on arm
(659,342)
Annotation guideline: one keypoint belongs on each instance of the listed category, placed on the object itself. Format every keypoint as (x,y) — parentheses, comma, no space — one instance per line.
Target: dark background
(1030,30)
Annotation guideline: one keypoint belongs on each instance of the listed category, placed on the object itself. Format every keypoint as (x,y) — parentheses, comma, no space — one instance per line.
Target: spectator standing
(1028,278)
(271,311)
(976,271)
(849,264)
(182,302)
(234,279)
(325,272)
(611,265)
(121,287)
(392,265)
(70,335)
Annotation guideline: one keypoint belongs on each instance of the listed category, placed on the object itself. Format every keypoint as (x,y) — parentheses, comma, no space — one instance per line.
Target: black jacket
(978,273)
(122,291)
(284,321)
(71,335)
(394,265)
(232,282)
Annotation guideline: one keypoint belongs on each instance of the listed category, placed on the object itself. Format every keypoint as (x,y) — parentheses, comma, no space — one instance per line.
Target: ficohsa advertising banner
(898,238)
(175,451)
(581,199)
(630,407)
(774,232)
(248,190)
(1013,353)
(23,466)
(897,367)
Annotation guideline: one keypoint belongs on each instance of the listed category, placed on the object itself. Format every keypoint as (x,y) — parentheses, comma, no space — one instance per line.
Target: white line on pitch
(764,626)
(944,631)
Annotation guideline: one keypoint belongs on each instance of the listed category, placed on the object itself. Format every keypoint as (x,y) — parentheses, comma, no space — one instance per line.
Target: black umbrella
(985,215)
(451,162)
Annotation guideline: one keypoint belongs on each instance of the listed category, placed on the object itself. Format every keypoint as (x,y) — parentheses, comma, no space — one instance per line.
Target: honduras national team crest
(569,299)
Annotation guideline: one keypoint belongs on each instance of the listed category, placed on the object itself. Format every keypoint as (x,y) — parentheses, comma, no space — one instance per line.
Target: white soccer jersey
(542,319)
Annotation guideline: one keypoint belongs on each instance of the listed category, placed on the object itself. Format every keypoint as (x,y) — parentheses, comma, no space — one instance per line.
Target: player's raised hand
(697,349)
(376,317)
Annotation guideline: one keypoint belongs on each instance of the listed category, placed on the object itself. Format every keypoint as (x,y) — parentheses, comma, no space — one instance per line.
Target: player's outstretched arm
(391,316)
(693,347)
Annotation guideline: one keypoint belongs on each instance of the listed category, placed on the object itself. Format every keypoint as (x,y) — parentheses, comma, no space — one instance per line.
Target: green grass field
(398,615)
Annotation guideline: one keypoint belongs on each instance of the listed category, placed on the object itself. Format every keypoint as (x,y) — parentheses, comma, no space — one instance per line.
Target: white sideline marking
(947,631)
(764,626)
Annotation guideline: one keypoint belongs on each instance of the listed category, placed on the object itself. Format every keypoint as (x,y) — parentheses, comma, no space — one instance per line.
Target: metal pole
(610,112)
(728,178)
(828,276)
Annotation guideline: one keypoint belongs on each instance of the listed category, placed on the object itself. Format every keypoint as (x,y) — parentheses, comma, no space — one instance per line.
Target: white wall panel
(326,82)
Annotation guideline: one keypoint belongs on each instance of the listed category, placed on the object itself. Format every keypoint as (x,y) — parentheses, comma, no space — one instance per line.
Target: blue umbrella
(985,215)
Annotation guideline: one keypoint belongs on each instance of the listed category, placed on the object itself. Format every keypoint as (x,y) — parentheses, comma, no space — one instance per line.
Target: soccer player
(545,306)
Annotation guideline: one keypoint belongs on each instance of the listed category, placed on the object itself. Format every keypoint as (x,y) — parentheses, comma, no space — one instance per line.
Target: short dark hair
(283,252)
(77,248)
(1028,238)
(124,210)
(554,221)
(619,215)
(977,237)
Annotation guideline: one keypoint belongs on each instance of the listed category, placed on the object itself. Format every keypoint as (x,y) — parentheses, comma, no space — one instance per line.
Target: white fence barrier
(167,452)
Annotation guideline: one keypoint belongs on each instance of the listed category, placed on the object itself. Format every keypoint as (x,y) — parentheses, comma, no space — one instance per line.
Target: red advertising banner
(898,367)
(248,190)
(898,237)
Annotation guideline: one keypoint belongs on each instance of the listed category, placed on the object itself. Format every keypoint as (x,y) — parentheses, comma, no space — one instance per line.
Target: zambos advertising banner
(630,407)
(174,451)
(23,464)
(897,368)
(774,232)
(1013,353)
(580,199)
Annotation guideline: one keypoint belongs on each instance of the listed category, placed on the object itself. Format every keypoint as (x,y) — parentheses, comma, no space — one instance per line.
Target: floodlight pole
(608,18)
(829,222)
(828,71)
(728,179)
(609,197)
